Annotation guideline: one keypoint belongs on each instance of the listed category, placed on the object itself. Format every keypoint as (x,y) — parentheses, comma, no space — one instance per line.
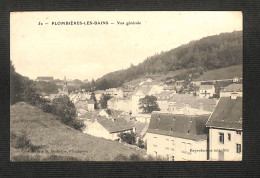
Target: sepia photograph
(126,86)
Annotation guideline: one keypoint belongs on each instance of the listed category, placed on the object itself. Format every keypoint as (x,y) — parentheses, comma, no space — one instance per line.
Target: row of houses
(217,136)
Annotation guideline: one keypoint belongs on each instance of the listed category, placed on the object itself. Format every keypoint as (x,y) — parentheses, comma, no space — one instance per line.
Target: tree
(109,112)
(148,104)
(103,100)
(140,143)
(66,112)
(129,138)
(16,86)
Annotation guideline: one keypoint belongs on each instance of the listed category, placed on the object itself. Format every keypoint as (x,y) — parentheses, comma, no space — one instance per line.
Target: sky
(91,51)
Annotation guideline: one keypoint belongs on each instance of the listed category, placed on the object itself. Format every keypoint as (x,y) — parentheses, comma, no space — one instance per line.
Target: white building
(115,92)
(137,95)
(91,105)
(190,105)
(206,91)
(177,137)
(233,89)
(225,130)
(103,113)
(84,104)
(143,118)
(121,104)
(107,128)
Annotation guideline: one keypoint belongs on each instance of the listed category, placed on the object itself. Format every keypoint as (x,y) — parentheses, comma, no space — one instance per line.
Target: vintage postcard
(126,86)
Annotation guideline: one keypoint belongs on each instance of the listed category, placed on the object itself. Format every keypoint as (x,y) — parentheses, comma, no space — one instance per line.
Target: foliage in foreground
(136,157)
(129,138)
(22,142)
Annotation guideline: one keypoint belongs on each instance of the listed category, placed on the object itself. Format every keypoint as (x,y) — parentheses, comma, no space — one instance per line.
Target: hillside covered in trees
(208,53)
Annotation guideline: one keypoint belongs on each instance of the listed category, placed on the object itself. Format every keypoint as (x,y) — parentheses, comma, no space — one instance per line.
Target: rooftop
(182,99)
(206,87)
(163,95)
(227,114)
(187,127)
(119,124)
(233,88)
(142,91)
(45,78)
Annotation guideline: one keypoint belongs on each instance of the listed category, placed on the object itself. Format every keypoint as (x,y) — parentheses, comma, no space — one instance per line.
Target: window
(154,145)
(155,153)
(238,148)
(229,136)
(172,158)
(172,142)
(167,148)
(221,138)
(239,132)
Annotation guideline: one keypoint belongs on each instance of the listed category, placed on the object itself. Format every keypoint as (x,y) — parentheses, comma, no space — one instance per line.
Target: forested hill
(208,53)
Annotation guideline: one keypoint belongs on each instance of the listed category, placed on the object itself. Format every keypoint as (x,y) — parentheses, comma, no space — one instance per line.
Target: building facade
(225,130)
(177,137)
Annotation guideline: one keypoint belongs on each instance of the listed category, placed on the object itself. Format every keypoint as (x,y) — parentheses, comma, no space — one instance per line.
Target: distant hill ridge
(212,52)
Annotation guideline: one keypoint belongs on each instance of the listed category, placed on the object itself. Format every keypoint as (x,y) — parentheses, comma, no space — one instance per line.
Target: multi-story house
(206,91)
(177,137)
(225,130)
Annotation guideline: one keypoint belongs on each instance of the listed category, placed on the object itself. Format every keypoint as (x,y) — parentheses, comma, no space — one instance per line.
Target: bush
(140,143)
(66,112)
(22,142)
(47,107)
(135,157)
(129,138)
(121,157)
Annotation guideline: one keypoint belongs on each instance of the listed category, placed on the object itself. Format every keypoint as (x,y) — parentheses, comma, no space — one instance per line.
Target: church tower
(65,87)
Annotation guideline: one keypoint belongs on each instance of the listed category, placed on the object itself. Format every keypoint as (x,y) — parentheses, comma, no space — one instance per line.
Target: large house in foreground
(177,137)
(107,128)
(225,130)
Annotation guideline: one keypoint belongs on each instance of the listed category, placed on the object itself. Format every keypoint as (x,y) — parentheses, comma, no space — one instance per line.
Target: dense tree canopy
(148,104)
(211,52)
